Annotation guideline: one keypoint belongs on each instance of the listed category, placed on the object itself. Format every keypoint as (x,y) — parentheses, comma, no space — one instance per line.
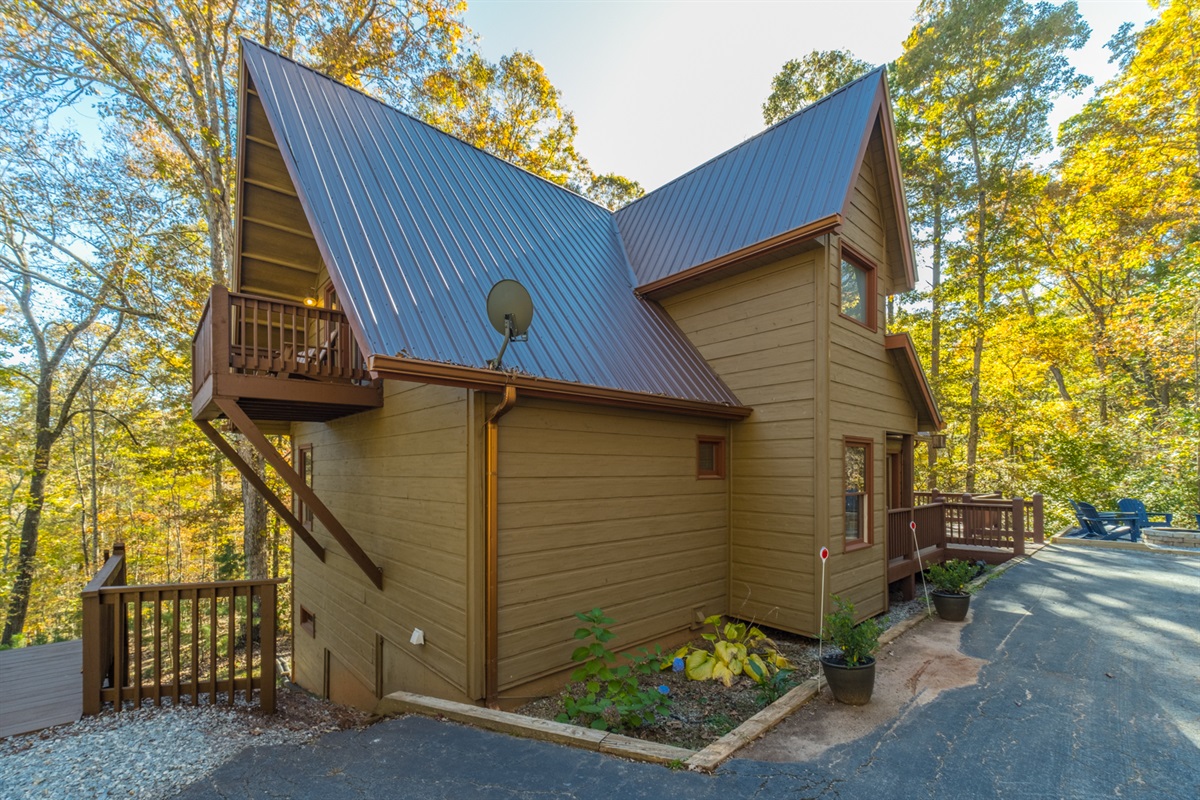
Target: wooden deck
(40,686)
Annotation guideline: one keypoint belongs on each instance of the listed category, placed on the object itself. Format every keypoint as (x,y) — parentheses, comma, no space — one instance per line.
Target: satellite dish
(510,310)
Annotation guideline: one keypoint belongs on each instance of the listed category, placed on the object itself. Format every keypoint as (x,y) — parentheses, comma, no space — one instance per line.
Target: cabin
(708,395)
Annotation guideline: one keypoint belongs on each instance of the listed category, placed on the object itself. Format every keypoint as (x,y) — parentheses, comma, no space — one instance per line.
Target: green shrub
(857,642)
(611,695)
(951,577)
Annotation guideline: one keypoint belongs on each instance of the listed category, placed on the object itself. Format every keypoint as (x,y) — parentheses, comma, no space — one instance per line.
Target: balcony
(279,361)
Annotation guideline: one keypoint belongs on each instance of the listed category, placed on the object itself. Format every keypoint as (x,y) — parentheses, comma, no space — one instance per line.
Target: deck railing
(1031,514)
(179,641)
(257,335)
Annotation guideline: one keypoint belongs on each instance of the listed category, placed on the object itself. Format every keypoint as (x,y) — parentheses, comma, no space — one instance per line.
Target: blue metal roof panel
(792,174)
(416,226)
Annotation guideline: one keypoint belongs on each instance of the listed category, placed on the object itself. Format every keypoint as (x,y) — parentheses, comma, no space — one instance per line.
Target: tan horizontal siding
(756,330)
(601,507)
(396,478)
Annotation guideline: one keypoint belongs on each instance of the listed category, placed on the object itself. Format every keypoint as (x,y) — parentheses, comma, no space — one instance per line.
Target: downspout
(492,549)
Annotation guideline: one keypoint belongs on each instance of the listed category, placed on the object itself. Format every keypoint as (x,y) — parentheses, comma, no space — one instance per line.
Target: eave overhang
(420,371)
(747,256)
(904,355)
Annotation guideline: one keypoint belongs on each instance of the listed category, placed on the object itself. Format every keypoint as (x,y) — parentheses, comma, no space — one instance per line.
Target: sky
(660,86)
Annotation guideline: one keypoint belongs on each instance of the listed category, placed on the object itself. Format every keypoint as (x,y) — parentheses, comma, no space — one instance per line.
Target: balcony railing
(260,336)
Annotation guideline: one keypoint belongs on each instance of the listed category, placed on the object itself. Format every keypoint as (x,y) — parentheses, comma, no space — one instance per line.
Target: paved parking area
(1090,687)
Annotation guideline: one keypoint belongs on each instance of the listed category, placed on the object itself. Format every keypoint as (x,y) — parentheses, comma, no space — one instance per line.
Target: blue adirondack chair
(1107,526)
(1138,508)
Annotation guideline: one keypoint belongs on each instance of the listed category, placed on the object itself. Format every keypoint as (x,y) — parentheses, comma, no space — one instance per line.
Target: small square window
(710,457)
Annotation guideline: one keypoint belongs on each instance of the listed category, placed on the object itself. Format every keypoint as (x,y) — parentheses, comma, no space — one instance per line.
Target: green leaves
(612,695)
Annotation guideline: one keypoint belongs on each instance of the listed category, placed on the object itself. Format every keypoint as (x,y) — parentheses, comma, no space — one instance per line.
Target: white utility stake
(912,526)
(821,620)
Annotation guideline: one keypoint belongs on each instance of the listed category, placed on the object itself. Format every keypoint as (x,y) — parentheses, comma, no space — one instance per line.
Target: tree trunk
(254,514)
(18,604)
(981,267)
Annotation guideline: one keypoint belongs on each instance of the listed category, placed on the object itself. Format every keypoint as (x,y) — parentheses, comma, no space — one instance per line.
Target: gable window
(856,474)
(304,465)
(857,289)
(710,457)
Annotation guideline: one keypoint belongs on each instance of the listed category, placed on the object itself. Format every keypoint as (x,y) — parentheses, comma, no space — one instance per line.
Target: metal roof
(415,227)
(796,172)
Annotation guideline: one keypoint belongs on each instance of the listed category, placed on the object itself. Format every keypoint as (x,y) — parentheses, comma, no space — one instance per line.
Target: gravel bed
(154,752)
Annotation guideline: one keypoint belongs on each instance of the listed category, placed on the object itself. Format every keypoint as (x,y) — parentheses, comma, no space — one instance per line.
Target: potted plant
(851,673)
(950,588)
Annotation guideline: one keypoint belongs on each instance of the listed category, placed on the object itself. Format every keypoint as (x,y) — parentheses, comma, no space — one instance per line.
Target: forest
(1058,316)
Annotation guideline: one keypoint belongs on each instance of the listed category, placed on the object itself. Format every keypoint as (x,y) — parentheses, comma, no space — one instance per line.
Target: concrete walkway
(1089,687)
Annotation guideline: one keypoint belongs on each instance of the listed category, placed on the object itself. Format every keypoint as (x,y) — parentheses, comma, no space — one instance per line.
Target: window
(308,621)
(304,466)
(710,457)
(856,471)
(331,298)
(857,289)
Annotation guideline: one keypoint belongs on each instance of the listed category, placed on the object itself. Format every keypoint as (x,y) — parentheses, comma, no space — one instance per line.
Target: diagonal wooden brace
(302,490)
(261,487)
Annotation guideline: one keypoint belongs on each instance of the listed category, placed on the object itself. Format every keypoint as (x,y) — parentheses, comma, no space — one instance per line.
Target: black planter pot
(850,685)
(950,606)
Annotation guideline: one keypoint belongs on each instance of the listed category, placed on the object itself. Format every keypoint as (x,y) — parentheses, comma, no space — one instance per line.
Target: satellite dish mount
(510,310)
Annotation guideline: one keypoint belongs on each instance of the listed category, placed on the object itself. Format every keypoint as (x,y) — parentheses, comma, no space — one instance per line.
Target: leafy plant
(612,697)
(951,577)
(858,643)
(730,656)
(775,686)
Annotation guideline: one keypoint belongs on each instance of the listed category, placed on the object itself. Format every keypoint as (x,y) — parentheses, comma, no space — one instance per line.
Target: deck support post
(1018,516)
(247,428)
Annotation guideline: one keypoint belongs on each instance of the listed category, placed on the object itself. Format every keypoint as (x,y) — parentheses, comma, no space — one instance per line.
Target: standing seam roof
(416,226)
(794,173)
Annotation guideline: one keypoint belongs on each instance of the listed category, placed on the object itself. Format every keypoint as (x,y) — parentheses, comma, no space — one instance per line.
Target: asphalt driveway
(1090,687)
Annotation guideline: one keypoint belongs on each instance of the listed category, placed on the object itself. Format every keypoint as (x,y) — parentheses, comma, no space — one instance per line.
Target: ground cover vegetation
(1058,312)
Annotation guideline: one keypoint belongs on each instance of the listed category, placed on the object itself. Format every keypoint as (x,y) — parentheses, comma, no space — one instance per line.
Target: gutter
(488,380)
(492,546)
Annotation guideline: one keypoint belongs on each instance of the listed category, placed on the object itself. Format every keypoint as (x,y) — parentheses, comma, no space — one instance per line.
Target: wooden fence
(182,641)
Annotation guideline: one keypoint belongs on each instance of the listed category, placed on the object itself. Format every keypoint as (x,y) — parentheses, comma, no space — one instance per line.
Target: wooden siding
(277,253)
(601,507)
(397,479)
(756,330)
(866,394)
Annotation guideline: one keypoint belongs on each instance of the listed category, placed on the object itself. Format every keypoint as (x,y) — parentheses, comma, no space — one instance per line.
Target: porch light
(311,302)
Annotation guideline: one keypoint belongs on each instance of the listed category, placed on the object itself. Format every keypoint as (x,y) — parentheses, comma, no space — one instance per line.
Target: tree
(984,74)
(74,235)
(167,74)
(613,191)
(1117,230)
(803,81)
(510,109)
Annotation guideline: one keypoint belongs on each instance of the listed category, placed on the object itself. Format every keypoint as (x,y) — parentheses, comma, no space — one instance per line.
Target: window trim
(718,471)
(308,622)
(304,465)
(847,253)
(866,521)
